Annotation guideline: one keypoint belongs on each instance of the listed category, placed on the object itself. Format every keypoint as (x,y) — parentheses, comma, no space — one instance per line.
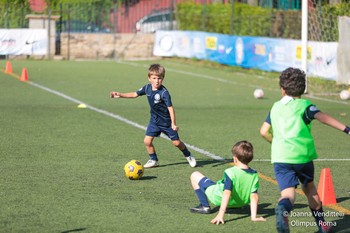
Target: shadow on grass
(263,211)
(200,163)
(341,199)
(148,177)
(74,230)
(342,225)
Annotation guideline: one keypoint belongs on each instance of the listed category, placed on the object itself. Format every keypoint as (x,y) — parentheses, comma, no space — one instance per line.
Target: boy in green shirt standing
(288,129)
(238,188)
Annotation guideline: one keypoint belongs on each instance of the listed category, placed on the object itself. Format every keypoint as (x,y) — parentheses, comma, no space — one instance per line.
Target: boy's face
(156,81)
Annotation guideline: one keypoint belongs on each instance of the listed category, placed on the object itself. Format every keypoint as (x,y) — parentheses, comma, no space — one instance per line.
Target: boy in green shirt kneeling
(238,188)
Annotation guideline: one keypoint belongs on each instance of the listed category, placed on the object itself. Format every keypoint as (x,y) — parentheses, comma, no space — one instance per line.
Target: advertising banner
(268,54)
(23,41)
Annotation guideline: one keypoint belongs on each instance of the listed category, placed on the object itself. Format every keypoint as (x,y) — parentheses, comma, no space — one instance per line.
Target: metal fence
(148,15)
(120,18)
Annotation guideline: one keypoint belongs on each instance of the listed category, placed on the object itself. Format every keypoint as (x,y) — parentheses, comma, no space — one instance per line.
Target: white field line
(316,160)
(136,125)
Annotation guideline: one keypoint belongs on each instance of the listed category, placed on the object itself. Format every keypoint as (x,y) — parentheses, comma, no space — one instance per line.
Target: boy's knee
(177,143)
(196,175)
(147,142)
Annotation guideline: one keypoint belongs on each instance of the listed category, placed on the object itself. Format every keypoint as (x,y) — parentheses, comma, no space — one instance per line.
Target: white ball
(344,95)
(259,93)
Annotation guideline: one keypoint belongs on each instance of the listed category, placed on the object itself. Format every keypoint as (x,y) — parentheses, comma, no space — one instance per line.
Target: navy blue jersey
(159,101)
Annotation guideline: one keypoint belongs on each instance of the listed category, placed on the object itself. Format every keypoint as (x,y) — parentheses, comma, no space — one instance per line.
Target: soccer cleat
(151,163)
(281,219)
(201,209)
(192,161)
(324,229)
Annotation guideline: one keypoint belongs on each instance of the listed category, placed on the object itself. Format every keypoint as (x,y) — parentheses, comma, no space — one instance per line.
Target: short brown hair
(243,151)
(156,69)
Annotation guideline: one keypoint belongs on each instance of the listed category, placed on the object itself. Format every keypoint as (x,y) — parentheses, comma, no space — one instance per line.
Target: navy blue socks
(318,215)
(202,197)
(287,204)
(186,152)
(153,156)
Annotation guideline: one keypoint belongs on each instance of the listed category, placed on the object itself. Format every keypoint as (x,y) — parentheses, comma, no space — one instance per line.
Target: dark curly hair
(293,81)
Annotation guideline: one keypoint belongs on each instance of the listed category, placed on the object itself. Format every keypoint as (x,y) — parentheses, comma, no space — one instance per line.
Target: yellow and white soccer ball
(134,170)
(259,93)
(344,94)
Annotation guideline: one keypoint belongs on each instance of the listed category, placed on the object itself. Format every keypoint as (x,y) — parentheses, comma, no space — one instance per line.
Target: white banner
(23,41)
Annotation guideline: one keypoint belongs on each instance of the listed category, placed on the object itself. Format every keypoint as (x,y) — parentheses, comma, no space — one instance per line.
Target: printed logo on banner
(184,43)
(198,45)
(221,48)
(211,42)
(298,53)
(30,42)
(260,49)
(228,50)
(166,43)
(239,51)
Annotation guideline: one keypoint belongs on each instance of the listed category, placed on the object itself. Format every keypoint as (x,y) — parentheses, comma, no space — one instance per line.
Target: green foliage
(12,13)
(189,16)
(256,21)
(247,20)
(339,9)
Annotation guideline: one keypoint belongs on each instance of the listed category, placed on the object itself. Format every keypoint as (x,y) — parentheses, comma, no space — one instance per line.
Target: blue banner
(268,54)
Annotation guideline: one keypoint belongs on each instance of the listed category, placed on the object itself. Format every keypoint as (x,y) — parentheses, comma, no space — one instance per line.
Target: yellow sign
(298,53)
(211,42)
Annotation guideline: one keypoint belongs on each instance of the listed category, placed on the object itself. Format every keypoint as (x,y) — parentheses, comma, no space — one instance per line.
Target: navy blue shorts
(289,175)
(154,130)
(204,183)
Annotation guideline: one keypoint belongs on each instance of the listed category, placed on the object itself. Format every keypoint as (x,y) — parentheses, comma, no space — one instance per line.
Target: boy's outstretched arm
(265,132)
(224,203)
(328,120)
(254,199)
(115,94)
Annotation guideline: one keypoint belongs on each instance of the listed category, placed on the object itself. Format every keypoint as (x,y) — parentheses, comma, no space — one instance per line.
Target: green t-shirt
(292,141)
(244,183)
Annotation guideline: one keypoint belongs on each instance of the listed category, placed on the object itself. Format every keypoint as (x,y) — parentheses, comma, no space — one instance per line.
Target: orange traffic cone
(8,68)
(325,188)
(24,76)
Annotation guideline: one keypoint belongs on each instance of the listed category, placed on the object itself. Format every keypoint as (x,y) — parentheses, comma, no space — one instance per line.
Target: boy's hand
(114,94)
(217,220)
(259,219)
(174,127)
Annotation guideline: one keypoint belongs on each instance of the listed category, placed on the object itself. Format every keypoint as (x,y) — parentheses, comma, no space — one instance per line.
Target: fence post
(204,15)
(48,31)
(232,15)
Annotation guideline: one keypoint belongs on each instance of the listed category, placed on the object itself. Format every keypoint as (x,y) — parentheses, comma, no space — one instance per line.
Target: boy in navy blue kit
(162,119)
